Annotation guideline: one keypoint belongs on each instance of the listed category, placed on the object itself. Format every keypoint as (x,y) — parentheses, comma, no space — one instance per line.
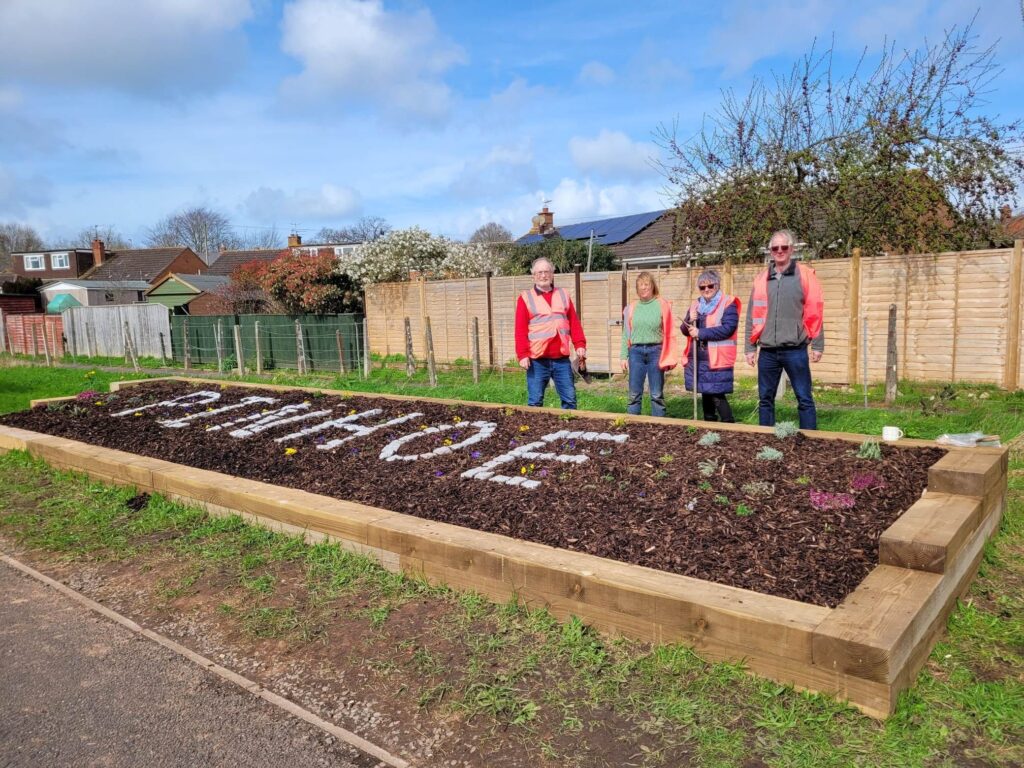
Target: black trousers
(716,408)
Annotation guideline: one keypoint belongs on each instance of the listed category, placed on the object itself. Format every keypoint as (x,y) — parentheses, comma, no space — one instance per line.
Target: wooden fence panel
(104,326)
(34,334)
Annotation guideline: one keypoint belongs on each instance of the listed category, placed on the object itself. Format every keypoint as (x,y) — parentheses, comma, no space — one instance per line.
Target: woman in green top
(649,347)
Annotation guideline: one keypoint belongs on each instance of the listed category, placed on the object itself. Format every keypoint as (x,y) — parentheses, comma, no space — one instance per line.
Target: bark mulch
(804,527)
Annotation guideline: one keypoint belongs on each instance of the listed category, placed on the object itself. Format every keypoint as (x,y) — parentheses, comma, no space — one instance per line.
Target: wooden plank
(928,535)
(968,472)
(871,631)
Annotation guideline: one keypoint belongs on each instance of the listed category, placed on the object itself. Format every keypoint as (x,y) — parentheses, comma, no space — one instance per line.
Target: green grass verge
(520,670)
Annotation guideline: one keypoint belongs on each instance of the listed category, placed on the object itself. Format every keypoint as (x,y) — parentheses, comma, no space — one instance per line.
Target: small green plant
(618,422)
(759,489)
(661,474)
(668,458)
(567,416)
(742,510)
(785,429)
(769,454)
(803,480)
(709,438)
(720,499)
(608,478)
(870,449)
(704,485)
(708,467)
(691,430)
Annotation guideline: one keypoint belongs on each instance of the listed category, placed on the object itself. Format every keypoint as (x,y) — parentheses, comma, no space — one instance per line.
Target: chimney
(223,247)
(98,252)
(543,222)
(294,240)
(1005,213)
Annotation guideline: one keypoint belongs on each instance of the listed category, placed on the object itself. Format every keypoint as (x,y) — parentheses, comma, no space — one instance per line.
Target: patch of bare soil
(805,526)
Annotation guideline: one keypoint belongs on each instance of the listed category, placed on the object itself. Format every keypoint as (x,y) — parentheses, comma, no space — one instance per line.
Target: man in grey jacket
(784,317)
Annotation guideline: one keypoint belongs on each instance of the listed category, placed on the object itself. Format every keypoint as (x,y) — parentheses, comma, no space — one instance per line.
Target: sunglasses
(706,287)
(781,248)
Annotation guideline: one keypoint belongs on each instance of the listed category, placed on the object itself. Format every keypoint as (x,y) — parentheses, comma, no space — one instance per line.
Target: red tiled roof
(136,264)
(229,261)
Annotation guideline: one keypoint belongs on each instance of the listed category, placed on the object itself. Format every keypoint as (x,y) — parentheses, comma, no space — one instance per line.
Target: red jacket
(554,346)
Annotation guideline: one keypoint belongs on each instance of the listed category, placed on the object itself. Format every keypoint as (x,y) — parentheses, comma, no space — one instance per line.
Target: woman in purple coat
(710,325)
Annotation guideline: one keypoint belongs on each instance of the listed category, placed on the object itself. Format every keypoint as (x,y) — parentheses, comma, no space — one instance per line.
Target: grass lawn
(546,686)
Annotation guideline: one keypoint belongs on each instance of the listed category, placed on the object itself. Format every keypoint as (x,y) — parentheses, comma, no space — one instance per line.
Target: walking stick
(695,353)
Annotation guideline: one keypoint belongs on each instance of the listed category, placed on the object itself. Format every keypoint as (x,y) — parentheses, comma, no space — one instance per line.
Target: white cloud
(613,153)
(150,47)
(327,202)
(356,51)
(757,32)
(596,73)
(18,194)
(506,168)
(574,201)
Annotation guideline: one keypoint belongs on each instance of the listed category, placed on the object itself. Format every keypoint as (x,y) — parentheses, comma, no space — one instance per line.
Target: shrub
(870,449)
(709,438)
(769,454)
(759,489)
(786,429)
(707,468)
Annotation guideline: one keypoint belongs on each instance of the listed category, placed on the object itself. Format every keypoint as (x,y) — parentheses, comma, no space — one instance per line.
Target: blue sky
(446,115)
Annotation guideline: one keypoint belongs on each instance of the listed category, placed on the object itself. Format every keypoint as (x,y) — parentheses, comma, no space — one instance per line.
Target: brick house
(149,264)
(55,264)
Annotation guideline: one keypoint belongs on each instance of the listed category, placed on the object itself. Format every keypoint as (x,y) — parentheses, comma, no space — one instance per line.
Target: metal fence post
(259,349)
(366,348)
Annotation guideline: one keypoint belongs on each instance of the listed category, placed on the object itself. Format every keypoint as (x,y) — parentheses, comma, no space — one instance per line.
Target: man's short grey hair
(710,276)
(535,262)
(790,237)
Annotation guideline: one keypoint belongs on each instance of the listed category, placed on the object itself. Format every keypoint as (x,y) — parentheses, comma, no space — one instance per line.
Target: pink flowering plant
(824,500)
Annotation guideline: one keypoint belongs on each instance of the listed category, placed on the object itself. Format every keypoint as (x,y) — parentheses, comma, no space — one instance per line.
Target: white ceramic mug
(891,433)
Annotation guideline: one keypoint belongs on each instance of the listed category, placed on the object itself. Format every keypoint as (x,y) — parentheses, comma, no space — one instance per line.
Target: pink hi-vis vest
(814,303)
(669,345)
(721,354)
(546,322)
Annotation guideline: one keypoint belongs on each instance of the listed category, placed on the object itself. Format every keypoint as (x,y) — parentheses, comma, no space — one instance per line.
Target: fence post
(1011,376)
(431,368)
(864,354)
(501,349)
(238,350)
(163,350)
(259,349)
(90,339)
(300,349)
(35,340)
(476,351)
(490,321)
(579,294)
(890,358)
(855,313)
(410,361)
(366,348)
(46,346)
(186,344)
(218,341)
(341,351)
(129,348)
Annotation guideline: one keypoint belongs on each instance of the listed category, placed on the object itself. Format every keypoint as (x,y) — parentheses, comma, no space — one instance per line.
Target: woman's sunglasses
(706,287)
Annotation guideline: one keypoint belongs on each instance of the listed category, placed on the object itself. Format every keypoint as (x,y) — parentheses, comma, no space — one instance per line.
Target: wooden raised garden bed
(865,649)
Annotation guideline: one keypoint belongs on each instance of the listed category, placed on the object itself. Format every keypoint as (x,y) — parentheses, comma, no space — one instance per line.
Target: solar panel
(606,231)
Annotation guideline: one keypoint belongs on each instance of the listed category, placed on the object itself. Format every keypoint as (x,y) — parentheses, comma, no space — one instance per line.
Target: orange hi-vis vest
(547,321)
(721,354)
(669,345)
(814,303)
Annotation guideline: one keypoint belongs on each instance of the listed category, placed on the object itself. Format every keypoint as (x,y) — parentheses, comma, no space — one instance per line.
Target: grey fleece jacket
(784,325)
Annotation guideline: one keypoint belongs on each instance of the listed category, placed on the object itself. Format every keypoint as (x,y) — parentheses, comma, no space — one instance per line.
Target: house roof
(135,264)
(199,283)
(229,261)
(606,231)
(99,285)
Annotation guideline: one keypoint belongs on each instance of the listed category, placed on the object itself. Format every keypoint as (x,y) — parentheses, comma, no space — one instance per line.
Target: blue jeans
(771,362)
(643,364)
(545,369)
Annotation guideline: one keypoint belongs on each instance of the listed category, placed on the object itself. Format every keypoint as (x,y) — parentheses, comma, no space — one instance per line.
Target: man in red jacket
(547,328)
